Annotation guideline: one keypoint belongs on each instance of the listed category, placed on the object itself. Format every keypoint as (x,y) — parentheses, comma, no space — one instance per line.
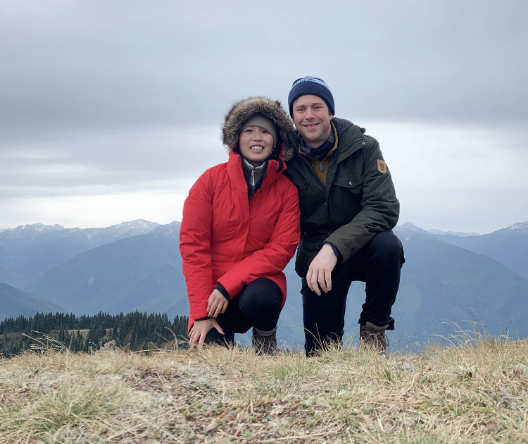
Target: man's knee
(387,250)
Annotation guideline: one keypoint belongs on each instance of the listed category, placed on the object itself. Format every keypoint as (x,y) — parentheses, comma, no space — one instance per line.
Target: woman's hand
(216,304)
(200,329)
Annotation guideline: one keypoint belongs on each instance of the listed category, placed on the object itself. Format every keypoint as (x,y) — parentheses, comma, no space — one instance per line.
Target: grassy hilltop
(475,392)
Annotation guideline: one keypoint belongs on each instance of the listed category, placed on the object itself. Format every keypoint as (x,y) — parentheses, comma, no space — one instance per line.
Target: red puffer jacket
(226,239)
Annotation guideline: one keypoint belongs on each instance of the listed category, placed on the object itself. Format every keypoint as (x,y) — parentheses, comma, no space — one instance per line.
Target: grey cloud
(97,65)
(129,160)
(98,96)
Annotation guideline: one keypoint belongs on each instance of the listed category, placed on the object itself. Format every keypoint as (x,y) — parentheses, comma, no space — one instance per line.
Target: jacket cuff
(336,251)
(222,290)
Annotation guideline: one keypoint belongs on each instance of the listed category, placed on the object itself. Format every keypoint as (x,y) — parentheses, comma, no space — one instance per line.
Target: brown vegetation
(470,393)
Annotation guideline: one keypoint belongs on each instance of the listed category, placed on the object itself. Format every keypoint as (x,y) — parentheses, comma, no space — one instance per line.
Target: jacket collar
(346,133)
(236,172)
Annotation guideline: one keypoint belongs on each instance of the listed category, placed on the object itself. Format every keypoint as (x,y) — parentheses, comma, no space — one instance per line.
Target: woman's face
(255,144)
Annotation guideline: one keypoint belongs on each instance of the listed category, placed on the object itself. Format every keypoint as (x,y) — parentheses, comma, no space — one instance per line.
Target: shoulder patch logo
(382,166)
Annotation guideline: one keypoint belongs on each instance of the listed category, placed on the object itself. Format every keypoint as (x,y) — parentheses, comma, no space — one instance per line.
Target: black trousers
(258,305)
(378,264)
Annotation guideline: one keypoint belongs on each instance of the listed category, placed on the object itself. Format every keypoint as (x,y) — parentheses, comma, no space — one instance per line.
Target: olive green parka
(357,202)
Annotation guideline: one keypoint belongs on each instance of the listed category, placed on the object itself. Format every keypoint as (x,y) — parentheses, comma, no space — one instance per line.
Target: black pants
(259,305)
(378,264)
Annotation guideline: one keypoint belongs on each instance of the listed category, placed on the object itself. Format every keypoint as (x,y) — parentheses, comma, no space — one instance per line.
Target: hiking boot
(373,337)
(264,344)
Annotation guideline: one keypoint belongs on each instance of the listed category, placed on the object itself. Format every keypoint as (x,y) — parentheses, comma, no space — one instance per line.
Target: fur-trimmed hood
(241,111)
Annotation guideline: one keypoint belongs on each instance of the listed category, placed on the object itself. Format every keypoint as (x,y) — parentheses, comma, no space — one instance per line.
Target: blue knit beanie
(311,85)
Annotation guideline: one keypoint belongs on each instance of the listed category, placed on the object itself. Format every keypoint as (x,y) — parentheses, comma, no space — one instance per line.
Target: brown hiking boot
(264,344)
(373,337)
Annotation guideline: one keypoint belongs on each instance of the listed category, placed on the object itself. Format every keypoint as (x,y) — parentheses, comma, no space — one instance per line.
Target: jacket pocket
(345,198)
(349,181)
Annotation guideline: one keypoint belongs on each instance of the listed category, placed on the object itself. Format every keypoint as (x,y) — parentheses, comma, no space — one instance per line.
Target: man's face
(312,119)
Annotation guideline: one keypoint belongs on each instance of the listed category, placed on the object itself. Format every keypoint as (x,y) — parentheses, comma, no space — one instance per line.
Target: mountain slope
(509,246)
(174,305)
(14,303)
(118,276)
(13,279)
(441,282)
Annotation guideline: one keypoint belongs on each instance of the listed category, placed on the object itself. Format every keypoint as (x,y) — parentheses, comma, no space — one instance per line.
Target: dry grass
(469,393)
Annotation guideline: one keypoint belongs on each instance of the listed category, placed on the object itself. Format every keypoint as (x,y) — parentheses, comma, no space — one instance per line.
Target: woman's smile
(256,144)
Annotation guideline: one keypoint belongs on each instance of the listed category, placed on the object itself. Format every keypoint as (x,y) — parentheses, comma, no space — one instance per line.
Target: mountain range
(443,284)
(447,279)
(508,246)
(28,251)
(117,277)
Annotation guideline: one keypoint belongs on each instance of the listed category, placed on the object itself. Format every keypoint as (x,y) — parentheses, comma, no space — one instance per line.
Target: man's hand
(320,271)
(200,329)
(216,304)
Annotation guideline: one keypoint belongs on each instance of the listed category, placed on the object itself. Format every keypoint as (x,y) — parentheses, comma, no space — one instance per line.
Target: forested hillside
(133,331)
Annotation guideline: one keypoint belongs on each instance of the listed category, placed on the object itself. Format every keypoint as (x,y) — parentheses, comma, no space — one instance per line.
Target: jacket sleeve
(380,207)
(273,258)
(195,245)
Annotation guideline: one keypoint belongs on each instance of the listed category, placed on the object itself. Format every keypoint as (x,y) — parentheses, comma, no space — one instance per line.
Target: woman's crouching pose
(240,228)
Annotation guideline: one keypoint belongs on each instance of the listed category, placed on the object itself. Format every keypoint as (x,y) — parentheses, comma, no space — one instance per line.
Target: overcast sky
(110,110)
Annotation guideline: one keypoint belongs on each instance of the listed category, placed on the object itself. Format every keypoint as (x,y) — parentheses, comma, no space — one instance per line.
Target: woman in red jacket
(240,228)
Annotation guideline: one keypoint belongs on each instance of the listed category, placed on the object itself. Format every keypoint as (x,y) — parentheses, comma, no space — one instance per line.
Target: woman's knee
(261,300)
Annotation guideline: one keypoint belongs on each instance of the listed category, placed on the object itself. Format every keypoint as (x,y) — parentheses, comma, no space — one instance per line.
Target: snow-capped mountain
(452,233)
(29,231)
(101,236)
(519,226)
(409,226)
(28,251)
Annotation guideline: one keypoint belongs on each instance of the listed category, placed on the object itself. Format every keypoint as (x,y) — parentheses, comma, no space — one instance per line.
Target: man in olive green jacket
(348,208)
